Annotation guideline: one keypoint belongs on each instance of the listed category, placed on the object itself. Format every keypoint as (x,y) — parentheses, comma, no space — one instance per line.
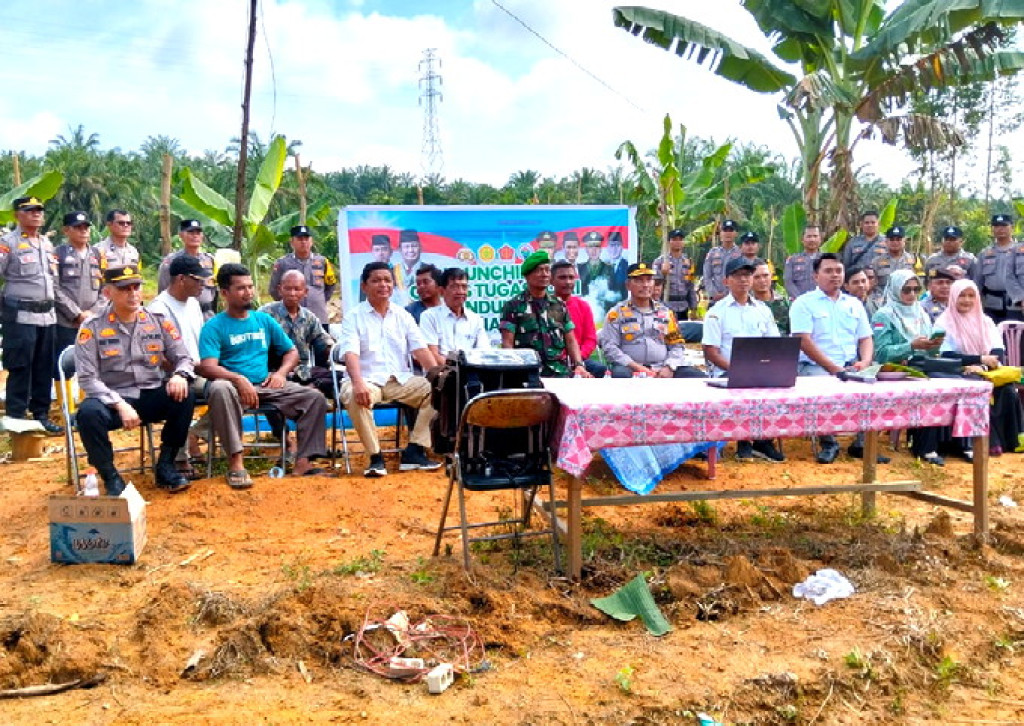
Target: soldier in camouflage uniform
(761,289)
(538,320)
(862,250)
(717,257)
(952,253)
(895,258)
(798,274)
(676,268)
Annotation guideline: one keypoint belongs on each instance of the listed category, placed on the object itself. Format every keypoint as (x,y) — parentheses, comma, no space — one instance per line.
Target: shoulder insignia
(24,246)
(612,316)
(143,317)
(4,249)
(878,325)
(84,334)
(111,318)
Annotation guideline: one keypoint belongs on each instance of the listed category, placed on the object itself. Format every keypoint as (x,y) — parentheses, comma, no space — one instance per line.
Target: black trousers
(96,420)
(28,357)
(62,338)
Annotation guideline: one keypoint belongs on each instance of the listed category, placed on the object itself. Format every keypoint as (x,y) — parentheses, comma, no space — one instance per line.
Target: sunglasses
(124,222)
(911,288)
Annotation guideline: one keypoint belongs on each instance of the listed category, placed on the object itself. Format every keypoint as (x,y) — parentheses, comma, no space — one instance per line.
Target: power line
(430,96)
(565,55)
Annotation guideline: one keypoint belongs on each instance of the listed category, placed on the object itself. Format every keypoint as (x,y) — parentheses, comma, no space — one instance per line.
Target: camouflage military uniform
(681,295)
(541,324)
(779,305)
(886,264)
(714,270)
(964,260)
(798,274)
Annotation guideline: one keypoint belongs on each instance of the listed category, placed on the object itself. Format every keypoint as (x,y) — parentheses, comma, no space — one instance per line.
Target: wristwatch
(190,377)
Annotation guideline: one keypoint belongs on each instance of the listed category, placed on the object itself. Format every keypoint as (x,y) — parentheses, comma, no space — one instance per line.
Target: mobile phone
(936,334)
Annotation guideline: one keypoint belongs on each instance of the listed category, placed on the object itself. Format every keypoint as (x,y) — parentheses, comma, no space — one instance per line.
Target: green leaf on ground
(631,600)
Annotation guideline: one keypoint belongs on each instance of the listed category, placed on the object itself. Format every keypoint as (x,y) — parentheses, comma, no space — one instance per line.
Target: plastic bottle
(92,485)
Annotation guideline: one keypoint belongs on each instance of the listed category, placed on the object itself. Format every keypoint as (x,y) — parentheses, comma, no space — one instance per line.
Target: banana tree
(855,62)
(675,190)
(42,187)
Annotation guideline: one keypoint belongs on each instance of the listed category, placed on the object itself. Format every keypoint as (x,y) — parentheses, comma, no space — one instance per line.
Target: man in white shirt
(835,332)
(451,326)
(738,315)
(378,339)
(180,304)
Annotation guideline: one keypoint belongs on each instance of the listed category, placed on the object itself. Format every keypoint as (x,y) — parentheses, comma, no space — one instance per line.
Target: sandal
(315,471)
(239,479)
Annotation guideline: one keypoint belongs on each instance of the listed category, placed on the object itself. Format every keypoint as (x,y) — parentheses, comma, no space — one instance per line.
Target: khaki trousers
(414,393)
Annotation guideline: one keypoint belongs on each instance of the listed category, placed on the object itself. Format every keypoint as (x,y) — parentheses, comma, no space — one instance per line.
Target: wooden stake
(165,205)
(243,150)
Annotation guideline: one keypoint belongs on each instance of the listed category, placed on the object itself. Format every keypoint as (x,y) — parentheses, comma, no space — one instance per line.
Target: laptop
(761,363)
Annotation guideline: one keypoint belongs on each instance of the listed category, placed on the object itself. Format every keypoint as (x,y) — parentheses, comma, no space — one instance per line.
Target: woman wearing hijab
(973,338)
(901,329)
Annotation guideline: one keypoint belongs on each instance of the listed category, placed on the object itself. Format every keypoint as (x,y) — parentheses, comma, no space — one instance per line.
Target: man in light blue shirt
(834,330)
(451,326)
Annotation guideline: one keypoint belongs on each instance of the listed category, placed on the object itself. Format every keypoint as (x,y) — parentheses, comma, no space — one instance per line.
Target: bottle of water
(92,485)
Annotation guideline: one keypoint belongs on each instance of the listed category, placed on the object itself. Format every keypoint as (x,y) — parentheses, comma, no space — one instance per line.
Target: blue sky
(344,81)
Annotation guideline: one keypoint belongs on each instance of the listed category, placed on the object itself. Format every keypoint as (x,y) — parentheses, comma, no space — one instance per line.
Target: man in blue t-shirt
(234,348)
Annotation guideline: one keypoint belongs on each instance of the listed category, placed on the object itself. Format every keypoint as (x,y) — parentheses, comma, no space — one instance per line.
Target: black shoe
(856,451)
(414,457)
(113,484)
(169,478)
(766,450)
(744,451)
(376,467)
(50,427)
(828,452)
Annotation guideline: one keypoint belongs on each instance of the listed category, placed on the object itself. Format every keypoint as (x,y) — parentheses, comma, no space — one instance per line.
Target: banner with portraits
(490,243)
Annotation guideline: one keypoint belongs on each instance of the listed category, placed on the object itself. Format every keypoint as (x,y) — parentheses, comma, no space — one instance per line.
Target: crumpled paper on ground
(822,586)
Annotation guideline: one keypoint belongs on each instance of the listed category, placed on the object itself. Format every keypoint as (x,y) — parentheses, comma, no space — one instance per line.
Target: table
(595,415)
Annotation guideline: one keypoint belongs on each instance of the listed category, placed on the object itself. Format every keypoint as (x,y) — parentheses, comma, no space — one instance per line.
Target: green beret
(540,257)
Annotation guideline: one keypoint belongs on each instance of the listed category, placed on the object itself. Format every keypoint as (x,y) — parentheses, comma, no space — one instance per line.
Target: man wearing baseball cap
(79,280)
(717,257)
(190,232)
(641,335)
(29,320)
(952,253)
(895,257)
(1001,289)
(536,319)
(739,315)
(321,279)
(119,358)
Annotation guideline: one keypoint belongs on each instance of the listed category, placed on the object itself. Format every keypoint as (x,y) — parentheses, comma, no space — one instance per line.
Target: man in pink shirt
(563,280)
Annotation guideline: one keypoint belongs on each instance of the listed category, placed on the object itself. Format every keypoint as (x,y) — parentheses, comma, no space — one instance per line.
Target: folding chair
(258,414)
(502,442)
(1013,338)
(66,373)
(338,428)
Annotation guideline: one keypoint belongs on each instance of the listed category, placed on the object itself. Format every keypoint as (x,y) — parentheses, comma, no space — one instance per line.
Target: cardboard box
(98,529)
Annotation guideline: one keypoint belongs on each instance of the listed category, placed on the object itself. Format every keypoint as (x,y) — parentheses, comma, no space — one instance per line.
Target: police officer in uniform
(717,257)
(29,320)
(118,358)
(79,279)
(321,279)
(115,247)
(952,253)
(862,250)
(190,232)
(641,335)
(936,300)
(595,269)
(798,274)
(676,268)
(1015,283)
(992,275)
(895,258)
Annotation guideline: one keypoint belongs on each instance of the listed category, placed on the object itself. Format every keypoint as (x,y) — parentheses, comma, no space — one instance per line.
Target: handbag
(1002,375)
(937,367)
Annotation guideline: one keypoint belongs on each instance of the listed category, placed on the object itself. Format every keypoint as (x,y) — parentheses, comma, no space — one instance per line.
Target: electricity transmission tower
(430,96)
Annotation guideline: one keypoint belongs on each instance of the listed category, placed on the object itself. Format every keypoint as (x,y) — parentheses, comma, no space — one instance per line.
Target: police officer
(992,273)
(595,269)
(935,301)
(862,250)
(798,274)
(641,335)
(952,253)
(717,257)
(115,247)
(676,268)
(118,358)
(321,279)
(190,232)
(79,279)
(1015,282)
(895,257)
(29,320)
(546,242)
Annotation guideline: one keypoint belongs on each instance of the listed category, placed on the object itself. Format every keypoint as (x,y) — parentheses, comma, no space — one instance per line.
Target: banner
(490,243)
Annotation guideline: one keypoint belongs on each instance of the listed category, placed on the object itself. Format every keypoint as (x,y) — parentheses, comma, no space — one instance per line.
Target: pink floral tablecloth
(599,413)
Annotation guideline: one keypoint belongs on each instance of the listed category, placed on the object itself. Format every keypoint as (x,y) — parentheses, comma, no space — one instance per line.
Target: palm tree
(856,62)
